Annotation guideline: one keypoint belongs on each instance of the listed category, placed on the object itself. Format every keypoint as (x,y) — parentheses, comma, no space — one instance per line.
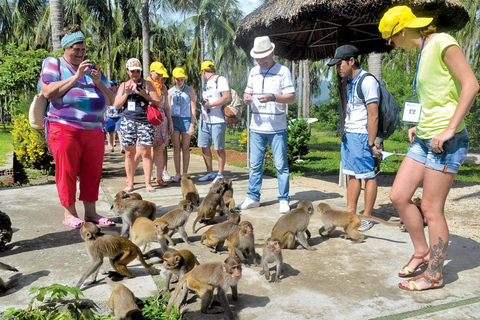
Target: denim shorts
(133,130)
(181,124)
(450,160)
(112,124)
(357,158)
(208,132)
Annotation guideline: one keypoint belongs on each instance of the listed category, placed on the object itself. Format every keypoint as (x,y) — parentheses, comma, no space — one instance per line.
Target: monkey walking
(189,191)
(216,235)
(293,225)
(132,195)
(145,231)
(178,263)
(4,286)
(177,219)
(242,242)
(122,302)
(207,277)
(119,250)
(272,252)
(130,209)
(348,221)
(208,208)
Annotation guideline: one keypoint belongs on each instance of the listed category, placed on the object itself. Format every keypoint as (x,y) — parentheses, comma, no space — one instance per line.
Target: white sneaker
(284,206)
(366,225)
(208,176)
(219,176)
(166,176)
(177,178)
(248,204)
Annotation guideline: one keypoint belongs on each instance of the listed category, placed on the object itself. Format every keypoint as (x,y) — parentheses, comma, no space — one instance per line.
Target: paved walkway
(340,280)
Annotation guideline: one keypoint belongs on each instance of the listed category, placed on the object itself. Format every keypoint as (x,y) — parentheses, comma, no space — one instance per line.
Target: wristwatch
(273,97)
(371,145)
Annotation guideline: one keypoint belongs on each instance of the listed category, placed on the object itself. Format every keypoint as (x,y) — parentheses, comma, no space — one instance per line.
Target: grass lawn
(6,141)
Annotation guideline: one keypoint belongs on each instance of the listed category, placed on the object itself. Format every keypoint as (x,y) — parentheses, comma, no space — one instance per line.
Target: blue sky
(248,6)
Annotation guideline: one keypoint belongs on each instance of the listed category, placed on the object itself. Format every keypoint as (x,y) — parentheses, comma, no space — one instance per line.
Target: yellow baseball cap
(399,17)
(207,65)
(159,68)
(179,73)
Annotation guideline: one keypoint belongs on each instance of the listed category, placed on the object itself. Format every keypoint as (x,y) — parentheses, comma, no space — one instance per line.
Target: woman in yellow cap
(446,87)
(182,106)
(165,129)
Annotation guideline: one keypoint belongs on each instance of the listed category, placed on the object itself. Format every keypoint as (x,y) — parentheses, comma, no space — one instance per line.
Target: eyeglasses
(134,71)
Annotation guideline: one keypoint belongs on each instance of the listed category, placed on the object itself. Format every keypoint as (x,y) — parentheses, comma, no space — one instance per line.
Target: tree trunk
(56,23)
(300,89)
(306,89)
(375,68)
(145,39)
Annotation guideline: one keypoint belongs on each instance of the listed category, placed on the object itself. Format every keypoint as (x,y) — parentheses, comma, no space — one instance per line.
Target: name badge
(91,93)
(131,105)
(411,111)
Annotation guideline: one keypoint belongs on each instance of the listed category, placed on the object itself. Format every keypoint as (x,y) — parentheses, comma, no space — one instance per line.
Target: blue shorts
(112,124)
(181,124)
(357,158)
(208,132)
(133,130)
(450,160)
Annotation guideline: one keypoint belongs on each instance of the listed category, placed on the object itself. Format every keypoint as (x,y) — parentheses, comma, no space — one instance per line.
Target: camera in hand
(203,101)
(139,86)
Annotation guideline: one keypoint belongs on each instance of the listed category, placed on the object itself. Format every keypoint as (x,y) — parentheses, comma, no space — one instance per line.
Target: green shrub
(30,146)
(298,135)
(154,308)
(328,115)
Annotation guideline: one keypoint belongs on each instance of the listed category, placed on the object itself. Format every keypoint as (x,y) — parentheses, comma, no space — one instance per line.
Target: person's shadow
(462,254)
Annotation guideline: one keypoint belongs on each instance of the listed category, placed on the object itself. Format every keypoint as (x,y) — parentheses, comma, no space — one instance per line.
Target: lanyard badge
(412,108)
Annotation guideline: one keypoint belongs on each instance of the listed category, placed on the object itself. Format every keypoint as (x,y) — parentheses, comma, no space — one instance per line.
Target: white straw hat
(262,47)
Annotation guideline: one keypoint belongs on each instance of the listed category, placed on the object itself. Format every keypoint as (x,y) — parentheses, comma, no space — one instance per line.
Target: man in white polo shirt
(212,128)
(269,90)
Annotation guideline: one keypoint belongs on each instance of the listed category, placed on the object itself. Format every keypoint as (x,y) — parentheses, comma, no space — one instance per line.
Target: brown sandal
(407,271)
(413,286)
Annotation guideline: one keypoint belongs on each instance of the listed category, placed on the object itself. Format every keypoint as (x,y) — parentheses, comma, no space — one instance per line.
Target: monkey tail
(110,282)
(195,223)
(142,261)
(387,223)
(175,293)
(203,237)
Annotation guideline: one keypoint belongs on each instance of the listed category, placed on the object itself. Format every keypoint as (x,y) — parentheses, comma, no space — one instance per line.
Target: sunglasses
(135,71)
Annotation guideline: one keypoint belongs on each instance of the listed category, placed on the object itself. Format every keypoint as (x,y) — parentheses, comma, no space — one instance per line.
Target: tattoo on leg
(438,254)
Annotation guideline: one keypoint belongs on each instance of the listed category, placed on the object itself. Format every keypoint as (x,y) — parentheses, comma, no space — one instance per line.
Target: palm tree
(56,22)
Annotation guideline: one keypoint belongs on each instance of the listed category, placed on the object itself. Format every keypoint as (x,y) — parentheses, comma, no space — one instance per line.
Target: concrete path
(340,280)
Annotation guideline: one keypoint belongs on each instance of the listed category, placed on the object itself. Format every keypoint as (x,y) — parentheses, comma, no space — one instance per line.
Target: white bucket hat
(262,47)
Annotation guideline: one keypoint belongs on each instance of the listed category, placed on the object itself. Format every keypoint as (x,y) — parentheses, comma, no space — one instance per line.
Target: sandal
(413,285)
(151,189)
(103,221)
(75,223)
(128,189)
(161,183)
(407,271)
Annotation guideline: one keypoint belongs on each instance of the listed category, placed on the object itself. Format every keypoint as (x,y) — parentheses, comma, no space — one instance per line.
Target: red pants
(76,153)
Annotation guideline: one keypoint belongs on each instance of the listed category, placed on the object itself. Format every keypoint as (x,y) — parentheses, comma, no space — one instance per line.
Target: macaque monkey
(272,252)
(189,191)
(228,193)
(293,225)
(208,208)
(418,202)
(4,286)
(179,263)
(119,250)
(125,195)
(177,219)
(205,278)
(145,231)
(350,222)
(215,236)
(129,210)
(122,302)
(242,242)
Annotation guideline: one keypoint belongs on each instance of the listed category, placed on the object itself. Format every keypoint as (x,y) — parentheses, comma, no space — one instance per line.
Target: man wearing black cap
(361,124)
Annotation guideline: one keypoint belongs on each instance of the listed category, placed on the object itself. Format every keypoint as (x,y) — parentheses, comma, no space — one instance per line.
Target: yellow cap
(207,65)
(179,73)
(399,17)
(159,68)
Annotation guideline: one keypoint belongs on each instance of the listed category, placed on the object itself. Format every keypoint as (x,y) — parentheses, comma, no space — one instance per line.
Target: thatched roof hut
(313,29)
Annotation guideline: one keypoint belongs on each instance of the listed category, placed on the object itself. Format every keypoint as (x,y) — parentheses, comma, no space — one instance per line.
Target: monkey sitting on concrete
(122,302)
(348,221)
(189,191)
(418,202)
(131,209)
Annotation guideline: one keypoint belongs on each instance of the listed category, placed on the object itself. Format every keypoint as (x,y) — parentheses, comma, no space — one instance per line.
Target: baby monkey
(272,252)
(348,221)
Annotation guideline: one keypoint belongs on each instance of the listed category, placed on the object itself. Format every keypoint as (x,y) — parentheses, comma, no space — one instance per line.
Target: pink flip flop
(103,222)
(151,189)
(75,223)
